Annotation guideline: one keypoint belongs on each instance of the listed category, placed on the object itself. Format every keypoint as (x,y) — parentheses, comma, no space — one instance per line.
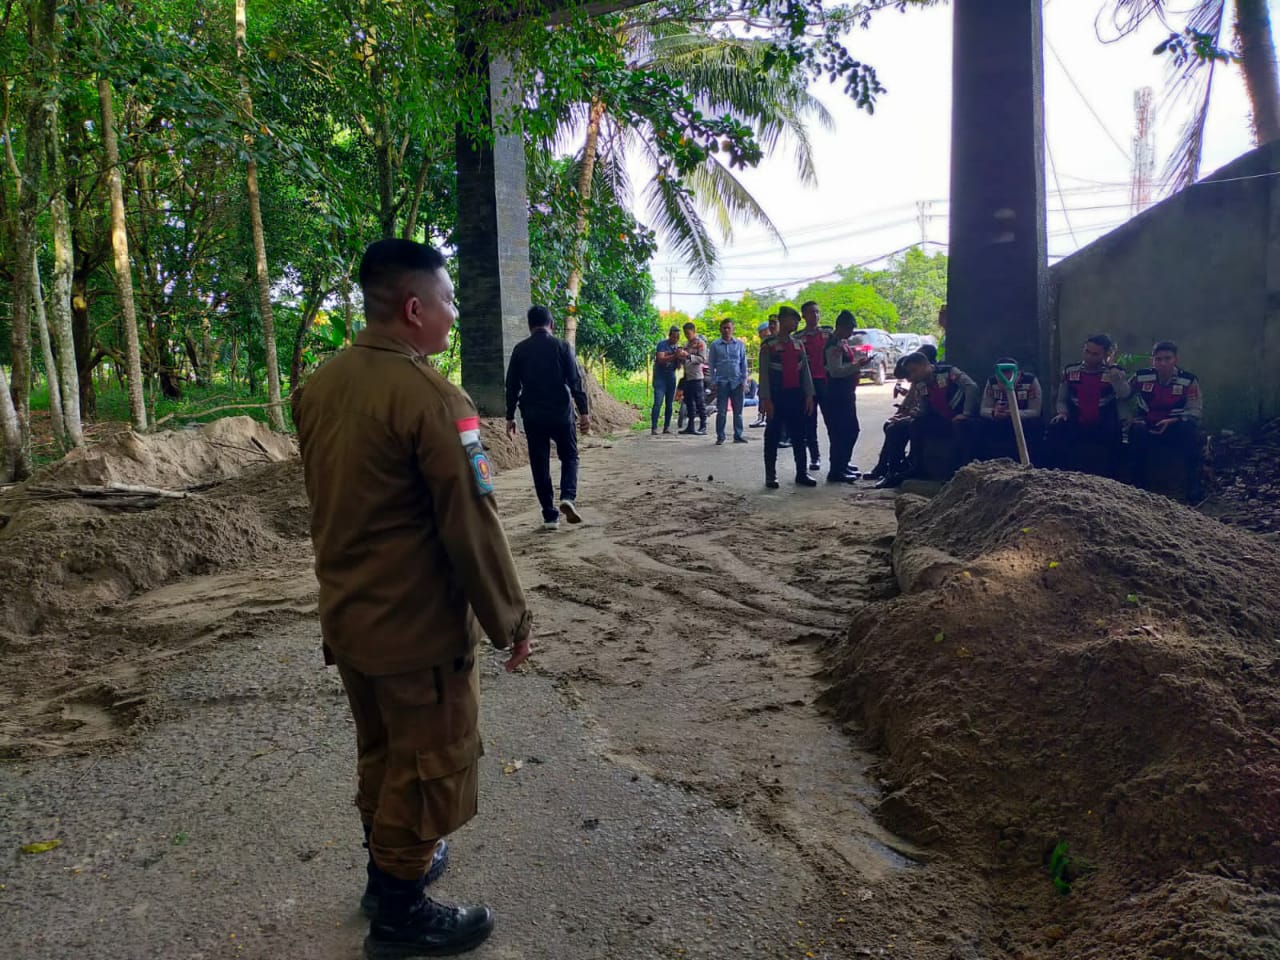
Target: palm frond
(673,213)
(1192,83)
(727,199)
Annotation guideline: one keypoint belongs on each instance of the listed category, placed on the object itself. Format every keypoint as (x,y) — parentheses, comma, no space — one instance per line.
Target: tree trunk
(10,435)
(50,363)
(62,327)
(1258,59)
(276,413)
(419,185)
(310,311)
(120,252)
(386,181)
(585,179)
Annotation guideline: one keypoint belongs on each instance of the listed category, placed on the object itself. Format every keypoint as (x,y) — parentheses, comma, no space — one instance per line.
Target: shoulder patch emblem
(482,472)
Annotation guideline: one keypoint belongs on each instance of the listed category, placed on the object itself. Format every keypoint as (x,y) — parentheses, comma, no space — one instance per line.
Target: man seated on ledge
(1085,434)
(941,424)
(1169,410)
(997,438)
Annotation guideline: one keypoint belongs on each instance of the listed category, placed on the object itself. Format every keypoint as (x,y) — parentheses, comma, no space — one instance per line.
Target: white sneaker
(570,511)
(551,524)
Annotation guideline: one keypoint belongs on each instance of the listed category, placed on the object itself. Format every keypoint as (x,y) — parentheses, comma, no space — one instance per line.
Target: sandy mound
(503,452)
(608,415)
(171,459)
(1077,662)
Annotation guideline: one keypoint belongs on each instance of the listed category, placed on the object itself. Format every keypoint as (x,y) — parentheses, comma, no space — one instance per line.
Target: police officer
(947,402)
(891,466)
(1170,406)
(786,394)
(413,567)
(1085,434)
(995,415)
(813,338)
(844,365)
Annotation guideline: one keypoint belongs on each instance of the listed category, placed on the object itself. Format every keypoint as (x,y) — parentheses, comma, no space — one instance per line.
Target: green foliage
(1059,865)
(915,283)
(616,318)
(868,306)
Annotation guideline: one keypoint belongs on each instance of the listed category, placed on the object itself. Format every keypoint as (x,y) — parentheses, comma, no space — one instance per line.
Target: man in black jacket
(544,380)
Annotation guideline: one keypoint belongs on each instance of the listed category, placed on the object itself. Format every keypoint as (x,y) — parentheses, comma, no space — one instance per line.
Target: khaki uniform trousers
(418,743)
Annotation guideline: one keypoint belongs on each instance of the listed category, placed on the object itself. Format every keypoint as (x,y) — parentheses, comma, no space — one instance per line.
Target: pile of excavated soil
(68,568)
(1076,662)
(172,458)
(608,415)
(1246,479)
(503,452)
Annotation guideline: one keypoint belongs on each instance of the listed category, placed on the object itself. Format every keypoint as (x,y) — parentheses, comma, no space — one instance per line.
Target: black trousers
(996,439)
(695,395)
(1093,449)
(540,436)
(893,452)
(1177,447)
(820,389)
(840,410)
(939,446)
(788,411)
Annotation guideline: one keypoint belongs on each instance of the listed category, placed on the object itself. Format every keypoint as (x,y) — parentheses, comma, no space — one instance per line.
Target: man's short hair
(539,317)
(807,304)
(690,326)
(674,329)
(915,359)
(846,318)
(724,320)
(930,352)
(1168,345)
(788,311)
(1101,340)
(386,261)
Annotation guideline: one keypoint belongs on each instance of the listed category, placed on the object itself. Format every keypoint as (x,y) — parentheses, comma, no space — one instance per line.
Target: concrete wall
(1201,268)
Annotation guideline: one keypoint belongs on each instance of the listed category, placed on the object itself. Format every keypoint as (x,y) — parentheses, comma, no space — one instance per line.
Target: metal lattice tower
(1144,150)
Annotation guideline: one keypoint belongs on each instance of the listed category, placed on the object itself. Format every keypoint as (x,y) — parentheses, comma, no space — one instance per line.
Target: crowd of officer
(1143,428)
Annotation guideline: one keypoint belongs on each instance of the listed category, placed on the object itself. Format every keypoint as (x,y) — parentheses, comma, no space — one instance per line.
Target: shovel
(1008,374)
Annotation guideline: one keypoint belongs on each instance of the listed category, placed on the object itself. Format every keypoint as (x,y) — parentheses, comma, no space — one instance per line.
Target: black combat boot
(409,924)
(804,480)
(373,887)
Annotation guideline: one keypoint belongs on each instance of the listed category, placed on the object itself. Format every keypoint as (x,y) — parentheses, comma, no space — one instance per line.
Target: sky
(874,170)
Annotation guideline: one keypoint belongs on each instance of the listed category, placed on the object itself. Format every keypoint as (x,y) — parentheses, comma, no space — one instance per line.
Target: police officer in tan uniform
(413,567)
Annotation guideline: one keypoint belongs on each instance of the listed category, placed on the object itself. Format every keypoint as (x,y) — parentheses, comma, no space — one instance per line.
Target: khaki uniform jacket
(410,553)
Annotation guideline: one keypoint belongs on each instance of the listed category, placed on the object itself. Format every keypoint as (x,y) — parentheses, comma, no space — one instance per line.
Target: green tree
(869,307)
(914,282)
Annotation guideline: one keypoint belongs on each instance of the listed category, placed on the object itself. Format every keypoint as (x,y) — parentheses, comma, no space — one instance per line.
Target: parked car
(879,345)
(907,342)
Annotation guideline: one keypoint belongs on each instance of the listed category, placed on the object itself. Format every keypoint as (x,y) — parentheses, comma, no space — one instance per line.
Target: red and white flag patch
(481,470)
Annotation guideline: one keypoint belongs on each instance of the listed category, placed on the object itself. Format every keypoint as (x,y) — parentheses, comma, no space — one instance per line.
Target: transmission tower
(1144,150)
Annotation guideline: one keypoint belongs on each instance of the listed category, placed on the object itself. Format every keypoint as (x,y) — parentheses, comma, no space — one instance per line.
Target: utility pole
(922,217)
(1144,150)
(671,297)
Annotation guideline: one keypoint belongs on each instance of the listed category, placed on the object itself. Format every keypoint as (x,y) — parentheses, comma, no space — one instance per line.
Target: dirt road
(660,784)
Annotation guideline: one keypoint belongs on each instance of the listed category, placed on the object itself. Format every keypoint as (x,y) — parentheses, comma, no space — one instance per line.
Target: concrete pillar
(996,281)
(493,250)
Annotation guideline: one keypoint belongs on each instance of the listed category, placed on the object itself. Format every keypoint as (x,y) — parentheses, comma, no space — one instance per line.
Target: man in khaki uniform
(413,567)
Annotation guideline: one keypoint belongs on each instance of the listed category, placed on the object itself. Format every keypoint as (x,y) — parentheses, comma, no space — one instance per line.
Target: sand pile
(171,459)
(608,415)
(503,452)
(1081,666)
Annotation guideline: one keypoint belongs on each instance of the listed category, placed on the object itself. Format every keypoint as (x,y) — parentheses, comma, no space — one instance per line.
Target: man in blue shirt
(728,361)
(666,360)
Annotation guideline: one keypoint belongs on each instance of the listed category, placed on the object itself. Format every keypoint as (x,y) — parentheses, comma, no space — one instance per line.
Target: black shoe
(666,430)
(689,432)
(771,483)
(784,444)
(879,473)
(741,440)
(373,888)
(841,478)
(411,925)
(719,441)
(700,432)
(430,929)
(815,464)
(804,480)
(891,481)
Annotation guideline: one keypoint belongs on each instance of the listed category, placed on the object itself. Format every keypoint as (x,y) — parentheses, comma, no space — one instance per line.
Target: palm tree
(724,75)
(1193,70)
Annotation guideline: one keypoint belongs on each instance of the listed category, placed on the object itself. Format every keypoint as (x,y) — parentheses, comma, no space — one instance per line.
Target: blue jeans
(725,393)
(664,390)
